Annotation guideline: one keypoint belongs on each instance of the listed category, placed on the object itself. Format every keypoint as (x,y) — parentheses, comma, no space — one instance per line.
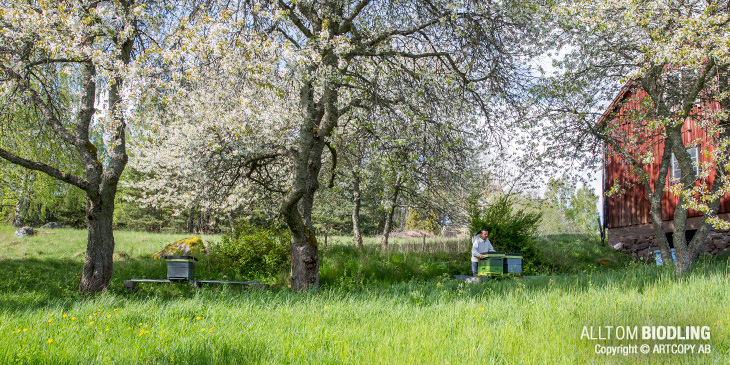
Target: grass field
(399,307)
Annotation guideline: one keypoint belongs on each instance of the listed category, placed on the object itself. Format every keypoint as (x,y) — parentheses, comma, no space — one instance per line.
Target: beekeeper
(479,243)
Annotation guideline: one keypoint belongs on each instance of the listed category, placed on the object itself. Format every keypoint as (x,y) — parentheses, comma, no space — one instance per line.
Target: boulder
(51,225)
(191,246)
(641,246)
(722,244)
(645,253)
(25,231)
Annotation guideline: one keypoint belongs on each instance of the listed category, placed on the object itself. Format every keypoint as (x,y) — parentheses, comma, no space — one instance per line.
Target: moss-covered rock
(191,246)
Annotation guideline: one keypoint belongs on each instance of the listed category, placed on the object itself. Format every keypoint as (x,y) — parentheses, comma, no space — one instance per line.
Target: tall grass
(422,316)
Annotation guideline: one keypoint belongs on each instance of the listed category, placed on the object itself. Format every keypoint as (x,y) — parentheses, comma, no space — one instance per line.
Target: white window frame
(676,173)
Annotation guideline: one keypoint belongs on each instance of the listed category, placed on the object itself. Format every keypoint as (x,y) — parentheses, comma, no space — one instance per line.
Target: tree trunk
(655,211)
(356,201)
(304,264)
(681,249)
(21,207)
(303,251)
(100,247)
(297,206)
(655,204)
(389,218)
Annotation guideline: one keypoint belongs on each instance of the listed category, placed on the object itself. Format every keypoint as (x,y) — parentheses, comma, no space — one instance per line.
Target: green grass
(363,314)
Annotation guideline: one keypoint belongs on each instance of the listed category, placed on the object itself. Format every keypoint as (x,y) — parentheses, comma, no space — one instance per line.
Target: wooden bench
(182,269)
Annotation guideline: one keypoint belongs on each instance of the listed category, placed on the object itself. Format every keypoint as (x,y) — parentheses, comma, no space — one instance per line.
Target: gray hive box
(513,263)
(180,267)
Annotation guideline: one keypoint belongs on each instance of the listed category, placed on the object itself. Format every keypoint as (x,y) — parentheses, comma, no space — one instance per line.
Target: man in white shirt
(479,243)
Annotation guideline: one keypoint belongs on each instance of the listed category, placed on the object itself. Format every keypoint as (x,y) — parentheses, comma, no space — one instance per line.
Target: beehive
(492,264)
(513,263)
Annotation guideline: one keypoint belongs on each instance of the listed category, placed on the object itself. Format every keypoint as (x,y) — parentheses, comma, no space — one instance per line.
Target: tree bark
(681,249)
(320,119)
(21,207)
(356,201)
(97,270)
(391,211)
(655,204)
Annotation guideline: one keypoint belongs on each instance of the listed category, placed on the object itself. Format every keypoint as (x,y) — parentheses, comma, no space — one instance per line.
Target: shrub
(510,230)
(253,252)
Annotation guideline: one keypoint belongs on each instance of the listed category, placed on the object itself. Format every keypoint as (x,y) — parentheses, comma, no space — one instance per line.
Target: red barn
(626,216)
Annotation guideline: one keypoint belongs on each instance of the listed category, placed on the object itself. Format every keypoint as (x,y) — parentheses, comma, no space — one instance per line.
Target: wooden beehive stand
(182,269)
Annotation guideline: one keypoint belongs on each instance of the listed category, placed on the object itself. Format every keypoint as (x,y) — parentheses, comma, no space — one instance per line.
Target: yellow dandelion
(50,340)
(481,309)
(96,314)
(326,307)
(73,318)
(139,324)
(197,318)
(182,319)
(50,320)
(91,323)
(106,330)
(116,309)
(202,330)
(90,317)
(25,330)
(98,310)
(65,315)
(108,315)
(51,315)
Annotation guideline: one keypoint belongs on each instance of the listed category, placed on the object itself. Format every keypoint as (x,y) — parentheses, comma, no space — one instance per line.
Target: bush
(509,230)
(253,252)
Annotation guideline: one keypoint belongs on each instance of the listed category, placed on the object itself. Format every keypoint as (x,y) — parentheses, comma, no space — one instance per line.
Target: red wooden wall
(632,207)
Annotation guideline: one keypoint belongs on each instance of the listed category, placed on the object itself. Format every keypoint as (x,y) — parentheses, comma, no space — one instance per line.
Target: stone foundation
(638,241)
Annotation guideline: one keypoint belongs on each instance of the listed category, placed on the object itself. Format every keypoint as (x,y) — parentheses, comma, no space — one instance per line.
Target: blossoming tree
(677,53)
(262,88)
(68,62)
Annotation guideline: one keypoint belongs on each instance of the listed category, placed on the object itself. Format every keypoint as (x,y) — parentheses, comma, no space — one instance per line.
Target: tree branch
(46,169)
(295,19)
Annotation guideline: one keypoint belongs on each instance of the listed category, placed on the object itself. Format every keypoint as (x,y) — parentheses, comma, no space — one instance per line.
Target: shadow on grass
(32,283)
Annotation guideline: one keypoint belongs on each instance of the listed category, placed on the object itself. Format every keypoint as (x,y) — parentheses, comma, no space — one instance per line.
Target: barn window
(694,153)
